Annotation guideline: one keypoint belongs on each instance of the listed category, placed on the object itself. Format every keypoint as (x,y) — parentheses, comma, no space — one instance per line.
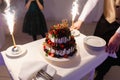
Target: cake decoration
(59,42)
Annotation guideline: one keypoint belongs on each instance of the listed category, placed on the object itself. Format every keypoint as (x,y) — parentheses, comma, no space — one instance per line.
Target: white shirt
(118,30)
(88,7)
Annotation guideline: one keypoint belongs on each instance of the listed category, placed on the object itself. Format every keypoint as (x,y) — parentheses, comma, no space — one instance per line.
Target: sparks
(10,18)
(74,9)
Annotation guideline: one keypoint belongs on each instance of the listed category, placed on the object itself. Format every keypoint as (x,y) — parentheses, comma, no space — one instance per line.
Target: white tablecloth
(74,69)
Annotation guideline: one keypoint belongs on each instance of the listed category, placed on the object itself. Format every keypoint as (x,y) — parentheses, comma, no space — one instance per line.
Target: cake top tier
(60,30)
(64,24)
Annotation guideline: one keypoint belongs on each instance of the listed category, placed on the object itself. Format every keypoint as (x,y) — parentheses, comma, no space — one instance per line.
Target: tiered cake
(59,42)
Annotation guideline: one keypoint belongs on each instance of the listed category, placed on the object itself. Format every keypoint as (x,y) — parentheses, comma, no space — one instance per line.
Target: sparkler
(9,15)
(10,18)
(74,10)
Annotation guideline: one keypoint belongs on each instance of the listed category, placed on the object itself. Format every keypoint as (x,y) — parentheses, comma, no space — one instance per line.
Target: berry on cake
(59,42)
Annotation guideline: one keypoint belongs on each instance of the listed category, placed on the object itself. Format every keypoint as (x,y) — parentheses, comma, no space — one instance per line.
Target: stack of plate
(94,43)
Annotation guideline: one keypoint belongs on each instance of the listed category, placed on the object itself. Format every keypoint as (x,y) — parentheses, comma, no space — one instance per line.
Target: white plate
(10,53)
(75,32)
(94,42)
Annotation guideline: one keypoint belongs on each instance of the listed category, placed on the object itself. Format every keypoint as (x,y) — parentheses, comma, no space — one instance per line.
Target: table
(75,69)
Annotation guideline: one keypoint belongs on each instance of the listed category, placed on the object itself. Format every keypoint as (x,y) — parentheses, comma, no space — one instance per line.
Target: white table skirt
(75,69)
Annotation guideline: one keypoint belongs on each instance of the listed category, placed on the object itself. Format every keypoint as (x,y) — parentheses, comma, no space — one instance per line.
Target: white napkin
(31,68)
(113,55)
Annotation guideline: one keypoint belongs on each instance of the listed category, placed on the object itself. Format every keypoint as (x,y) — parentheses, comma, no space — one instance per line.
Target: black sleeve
(42,2)
(26,1)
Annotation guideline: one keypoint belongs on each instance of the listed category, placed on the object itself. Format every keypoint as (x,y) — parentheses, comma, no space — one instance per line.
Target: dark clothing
(106,30)
(3,5)
(34,21)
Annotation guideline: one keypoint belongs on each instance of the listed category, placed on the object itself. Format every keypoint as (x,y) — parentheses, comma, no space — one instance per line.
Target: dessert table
(74,68)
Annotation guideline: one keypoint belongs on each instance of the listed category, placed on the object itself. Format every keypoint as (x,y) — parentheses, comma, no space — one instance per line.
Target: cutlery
(44,74)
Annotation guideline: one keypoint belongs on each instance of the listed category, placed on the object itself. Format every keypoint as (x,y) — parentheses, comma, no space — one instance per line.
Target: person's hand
(76,25)
(114,43)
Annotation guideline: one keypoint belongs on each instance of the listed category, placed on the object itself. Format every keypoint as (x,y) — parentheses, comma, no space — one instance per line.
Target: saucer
(75,32)
(11,52)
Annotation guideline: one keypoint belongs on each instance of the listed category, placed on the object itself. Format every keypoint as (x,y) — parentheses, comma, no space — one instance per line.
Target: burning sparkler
(74,11)
(18,50)
(10,18)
